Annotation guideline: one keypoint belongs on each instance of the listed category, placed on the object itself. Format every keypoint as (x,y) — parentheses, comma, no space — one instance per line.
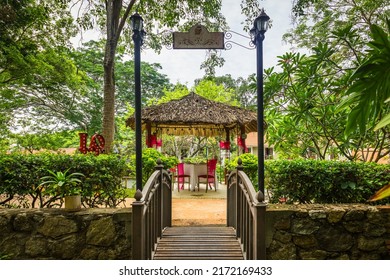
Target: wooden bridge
(198,243)
(155,238)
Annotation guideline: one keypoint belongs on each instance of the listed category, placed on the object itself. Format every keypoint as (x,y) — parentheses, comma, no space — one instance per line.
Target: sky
(184,65)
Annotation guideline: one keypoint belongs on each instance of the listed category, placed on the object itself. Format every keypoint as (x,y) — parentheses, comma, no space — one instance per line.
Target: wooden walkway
(198,243)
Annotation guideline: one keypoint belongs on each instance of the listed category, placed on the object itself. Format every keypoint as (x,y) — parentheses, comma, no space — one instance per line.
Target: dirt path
(198,212)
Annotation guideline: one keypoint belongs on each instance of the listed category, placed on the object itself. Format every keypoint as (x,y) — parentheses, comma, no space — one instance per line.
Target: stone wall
(293,232)
(327,232)
(59,234)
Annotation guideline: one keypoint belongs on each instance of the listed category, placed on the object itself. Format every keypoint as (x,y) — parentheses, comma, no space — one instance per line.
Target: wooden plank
(198,243)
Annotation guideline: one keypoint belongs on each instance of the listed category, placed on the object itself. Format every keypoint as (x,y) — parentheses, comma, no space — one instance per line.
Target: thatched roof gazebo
(196,115)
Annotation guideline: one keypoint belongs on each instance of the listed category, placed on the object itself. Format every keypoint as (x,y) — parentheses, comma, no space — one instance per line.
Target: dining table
(195,169)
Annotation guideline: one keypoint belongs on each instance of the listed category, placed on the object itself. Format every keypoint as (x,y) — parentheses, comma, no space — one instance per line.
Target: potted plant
(64,185)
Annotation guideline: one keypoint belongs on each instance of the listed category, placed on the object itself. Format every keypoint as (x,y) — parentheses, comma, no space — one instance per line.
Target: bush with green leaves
(317,181)
(20,178)
(249,164)
(149,162)
(314,181)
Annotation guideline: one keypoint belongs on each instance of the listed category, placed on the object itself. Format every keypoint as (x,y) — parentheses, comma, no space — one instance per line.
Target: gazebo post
(148,135)
(227,130)
(243,137)
(227,135)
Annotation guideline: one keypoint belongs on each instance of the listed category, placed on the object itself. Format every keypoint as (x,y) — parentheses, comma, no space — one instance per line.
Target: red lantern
(224,145)
(241,143)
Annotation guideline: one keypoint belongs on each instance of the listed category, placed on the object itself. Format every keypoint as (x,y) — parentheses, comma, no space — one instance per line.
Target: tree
(35,65)
(112,17)
(371,85)
(244,90)
(90,58)
(302,113)
(317,21)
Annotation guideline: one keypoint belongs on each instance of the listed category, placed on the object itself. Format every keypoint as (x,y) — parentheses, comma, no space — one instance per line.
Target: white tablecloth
(194,170)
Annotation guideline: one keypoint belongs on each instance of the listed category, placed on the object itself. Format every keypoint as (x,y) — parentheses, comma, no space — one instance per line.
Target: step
(198,243)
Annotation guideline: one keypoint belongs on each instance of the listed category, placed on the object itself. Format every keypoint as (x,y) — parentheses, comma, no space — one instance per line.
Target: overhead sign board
(198,37)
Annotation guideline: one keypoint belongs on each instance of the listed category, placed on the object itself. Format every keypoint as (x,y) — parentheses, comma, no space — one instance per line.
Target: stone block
(89,254)
(370,244)
(334,239)
(36,246)
(23,223)
(66,248)
(354,226)
(305,241)
(313,255)
(336,216)
(354,215)
(283,224)
(317,214)
(282,236)
(282,251)
(304,226)
(101,232)
(56,226)
(373,230)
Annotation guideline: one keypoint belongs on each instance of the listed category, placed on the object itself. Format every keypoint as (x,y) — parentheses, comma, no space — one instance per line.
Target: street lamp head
(261,22)
(137,23)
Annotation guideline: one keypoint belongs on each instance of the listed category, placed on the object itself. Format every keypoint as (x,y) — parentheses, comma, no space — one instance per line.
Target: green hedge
(315,181)
(149,162)
(20,179)
(249,163)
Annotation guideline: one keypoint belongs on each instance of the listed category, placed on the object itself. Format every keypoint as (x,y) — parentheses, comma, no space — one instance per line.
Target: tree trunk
(114,28)
(113,15)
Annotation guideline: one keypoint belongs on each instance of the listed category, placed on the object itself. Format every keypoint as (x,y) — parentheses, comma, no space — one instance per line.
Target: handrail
(152,213)
(246,213)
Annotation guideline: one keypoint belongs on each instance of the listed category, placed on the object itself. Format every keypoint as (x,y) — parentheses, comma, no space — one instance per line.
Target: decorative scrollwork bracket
(229,43)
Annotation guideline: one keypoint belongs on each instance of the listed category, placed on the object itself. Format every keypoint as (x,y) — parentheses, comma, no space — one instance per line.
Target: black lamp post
(137,25)
(259,28)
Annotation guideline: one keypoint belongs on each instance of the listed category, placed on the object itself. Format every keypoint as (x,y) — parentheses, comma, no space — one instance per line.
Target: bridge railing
(246,213)
(152,212)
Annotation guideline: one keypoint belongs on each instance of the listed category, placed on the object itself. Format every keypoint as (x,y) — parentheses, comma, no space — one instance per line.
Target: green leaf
(384,122)
(381,194)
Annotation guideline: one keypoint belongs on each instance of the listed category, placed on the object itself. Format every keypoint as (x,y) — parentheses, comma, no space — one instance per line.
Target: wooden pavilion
(196,115)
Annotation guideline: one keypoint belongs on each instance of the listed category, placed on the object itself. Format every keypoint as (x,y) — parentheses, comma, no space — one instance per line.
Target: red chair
(209,178)
(181,177)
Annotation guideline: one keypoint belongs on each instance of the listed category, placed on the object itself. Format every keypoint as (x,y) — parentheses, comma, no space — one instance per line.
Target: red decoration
(153,142)
(83,143)
(241,143)
(96,144)
(224,145)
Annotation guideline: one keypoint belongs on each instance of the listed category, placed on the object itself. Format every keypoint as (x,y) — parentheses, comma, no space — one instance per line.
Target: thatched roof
(195,115)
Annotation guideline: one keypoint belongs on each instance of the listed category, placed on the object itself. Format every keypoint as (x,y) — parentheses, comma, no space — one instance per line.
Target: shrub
(249,163)
(20,178)
(313,181)
(149,162)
